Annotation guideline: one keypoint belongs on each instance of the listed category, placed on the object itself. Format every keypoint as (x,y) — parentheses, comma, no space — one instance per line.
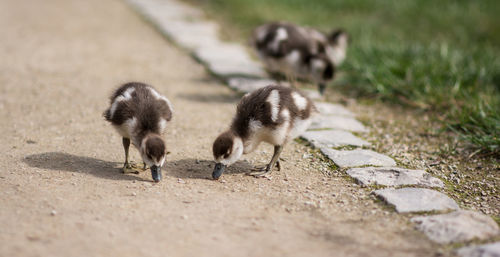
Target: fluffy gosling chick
(140,114)
(300,52)
(273,114)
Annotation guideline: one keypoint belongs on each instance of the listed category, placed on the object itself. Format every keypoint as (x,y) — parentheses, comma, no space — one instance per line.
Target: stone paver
(333,109)
(247,85)
(392,176)
(227,59)
(337,122)
(161,9)
(180,22)
(416,199)
(192,35)
(356,158)
(311,93)
(487,250)
(333,138)
(459,226)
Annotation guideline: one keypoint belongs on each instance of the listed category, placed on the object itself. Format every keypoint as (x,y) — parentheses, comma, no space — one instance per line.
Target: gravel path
(60,186)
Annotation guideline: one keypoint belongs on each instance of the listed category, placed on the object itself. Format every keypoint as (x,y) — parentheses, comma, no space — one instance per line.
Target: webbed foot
(260,171)
(131,167)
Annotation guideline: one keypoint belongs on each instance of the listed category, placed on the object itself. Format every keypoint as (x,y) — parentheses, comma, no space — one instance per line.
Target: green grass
(439,56)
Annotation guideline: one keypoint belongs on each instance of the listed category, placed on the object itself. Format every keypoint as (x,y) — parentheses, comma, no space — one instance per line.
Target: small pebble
(33,237)
(53,213)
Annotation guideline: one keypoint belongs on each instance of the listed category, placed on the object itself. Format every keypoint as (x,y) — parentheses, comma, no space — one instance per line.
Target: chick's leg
(127,168)
(292,79)
(321,88)
(259,172)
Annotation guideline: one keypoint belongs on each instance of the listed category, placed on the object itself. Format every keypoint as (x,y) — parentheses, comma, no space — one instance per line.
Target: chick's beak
(156,173)
(218,170)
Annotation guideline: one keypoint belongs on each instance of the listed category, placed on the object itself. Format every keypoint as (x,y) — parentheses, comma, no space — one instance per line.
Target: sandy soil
(61,190)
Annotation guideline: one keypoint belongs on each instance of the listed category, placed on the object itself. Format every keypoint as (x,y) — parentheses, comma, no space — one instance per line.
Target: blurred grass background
(438,56)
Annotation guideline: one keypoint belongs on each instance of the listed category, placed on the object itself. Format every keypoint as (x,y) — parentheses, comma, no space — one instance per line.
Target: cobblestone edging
(186,26)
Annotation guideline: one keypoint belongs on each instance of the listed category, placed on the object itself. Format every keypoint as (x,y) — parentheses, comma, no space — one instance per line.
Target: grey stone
(312,94)
(227,59)
(173,10)
(226,69)
(392,176)
(356,158)
(487,250)
(225,52)
(180,22)
(193,42)
(458,226)
(416,199)
(333,109)
(193,35)
(337,122)
(247,85)
(333,138)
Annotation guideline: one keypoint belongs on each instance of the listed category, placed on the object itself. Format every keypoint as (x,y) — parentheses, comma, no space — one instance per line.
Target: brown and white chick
(300,52)
(140,114)
(272,114)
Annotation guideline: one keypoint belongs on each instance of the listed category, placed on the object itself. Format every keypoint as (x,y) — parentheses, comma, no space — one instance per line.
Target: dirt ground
(62,193)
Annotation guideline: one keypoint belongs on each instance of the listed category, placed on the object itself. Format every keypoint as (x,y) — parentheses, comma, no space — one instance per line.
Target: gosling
(272,114)
(140,114)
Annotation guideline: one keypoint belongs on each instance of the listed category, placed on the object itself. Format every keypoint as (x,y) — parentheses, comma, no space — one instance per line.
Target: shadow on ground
(79,164)
(201,169)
